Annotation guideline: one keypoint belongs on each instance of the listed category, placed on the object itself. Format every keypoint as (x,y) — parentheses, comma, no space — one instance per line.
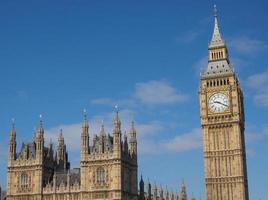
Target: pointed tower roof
(13,129)
(216,40)
(183,195)
(117,121)
(61,138)
(102,130)
(85,122)
(40,129)
(218,58)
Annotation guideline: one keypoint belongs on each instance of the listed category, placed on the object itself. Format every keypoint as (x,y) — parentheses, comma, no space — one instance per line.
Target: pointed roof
(218,58)
(13,129)
(102,131)
(117,121)
(132,129)
(216,37)
(40,129)
(61,138)
(85,122)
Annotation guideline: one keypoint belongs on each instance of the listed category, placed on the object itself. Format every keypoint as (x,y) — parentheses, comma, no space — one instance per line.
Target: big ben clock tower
(222,121)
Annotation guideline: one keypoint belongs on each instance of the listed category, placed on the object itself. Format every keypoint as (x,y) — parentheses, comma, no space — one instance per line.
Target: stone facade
(222,120)
(108,168)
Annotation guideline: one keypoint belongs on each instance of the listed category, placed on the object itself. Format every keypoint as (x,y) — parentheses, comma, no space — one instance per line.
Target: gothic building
(108,163)
(158,193)
(222,120)
(108,168)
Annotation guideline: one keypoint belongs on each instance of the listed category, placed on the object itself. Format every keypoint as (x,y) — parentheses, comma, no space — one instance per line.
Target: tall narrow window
(24,181)
(100,175)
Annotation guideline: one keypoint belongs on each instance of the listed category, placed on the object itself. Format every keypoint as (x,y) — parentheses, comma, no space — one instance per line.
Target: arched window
(24,180)
(100,175)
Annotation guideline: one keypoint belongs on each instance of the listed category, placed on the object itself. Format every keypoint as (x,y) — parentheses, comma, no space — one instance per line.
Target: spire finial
(61,132)
(85,114)
(215,11)
(117,121)
(216,36)
(116,107)
(41,120)
(13,123)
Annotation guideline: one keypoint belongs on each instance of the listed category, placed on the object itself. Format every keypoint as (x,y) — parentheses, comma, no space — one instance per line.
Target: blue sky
(59,57)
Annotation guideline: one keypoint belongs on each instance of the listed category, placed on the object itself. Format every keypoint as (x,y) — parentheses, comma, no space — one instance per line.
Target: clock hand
(220,103)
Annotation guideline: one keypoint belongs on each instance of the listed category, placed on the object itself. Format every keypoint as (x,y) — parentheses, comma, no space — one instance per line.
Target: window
(100,176)
(24,181)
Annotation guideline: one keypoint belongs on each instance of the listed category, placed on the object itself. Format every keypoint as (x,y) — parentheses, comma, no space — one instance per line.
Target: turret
(62,156)
(161,193)
(133,140)
(12,143)
(141,195)
(117,134)
(102,138)
(166,194)
(177,196)
(149,191)
(183,195)
(155,191)
(50,150)
(125,143)
(39,140)
(85,138)
(172,196)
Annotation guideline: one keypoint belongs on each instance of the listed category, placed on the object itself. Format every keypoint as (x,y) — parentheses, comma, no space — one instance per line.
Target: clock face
(218,102)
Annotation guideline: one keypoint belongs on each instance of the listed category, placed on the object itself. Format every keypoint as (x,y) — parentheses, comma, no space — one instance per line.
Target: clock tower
(222,121)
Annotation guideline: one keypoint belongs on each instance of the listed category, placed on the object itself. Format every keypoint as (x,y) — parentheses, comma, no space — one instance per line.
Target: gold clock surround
(211,93)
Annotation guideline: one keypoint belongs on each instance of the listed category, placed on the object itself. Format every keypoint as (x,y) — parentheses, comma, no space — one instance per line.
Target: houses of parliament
(109,167)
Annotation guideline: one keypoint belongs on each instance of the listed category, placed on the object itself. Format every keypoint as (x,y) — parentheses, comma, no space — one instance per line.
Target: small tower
(133,140)
(161,193)
(85,138)
(193,198)
(117,134)
(102,138)
(141,195)
(12,144)
(62,157)
(166,194)
(172,196)
(177,196)
(155,191)
(125,143)
(183,195)
(149,191)
(40,141)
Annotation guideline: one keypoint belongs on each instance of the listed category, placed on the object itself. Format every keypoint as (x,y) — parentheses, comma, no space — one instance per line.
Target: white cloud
(184,142)
(259,82)
(150,93)
(181,143)
(158,92)
(246,45)
(149,128)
